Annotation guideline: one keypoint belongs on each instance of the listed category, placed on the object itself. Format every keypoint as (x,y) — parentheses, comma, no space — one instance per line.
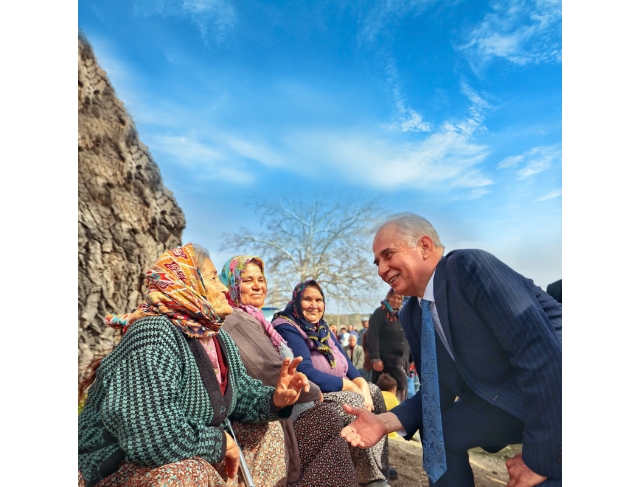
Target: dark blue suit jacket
(506,338)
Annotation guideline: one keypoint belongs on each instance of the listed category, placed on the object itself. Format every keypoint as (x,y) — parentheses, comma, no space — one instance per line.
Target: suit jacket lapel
(440,295)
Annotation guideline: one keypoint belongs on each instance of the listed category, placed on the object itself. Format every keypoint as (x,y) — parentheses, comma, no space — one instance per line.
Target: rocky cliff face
(126,217)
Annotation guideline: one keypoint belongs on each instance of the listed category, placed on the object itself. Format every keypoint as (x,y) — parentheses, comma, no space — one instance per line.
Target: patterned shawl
(319,334)
(392,314)
(231,276)
(175,290)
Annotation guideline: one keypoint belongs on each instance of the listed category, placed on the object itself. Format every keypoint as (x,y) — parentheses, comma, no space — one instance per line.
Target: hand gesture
(520,475)
(365,431)
(231,457)
(378,366)
(290,383)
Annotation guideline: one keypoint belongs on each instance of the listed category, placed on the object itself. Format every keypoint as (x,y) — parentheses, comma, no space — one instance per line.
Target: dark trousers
(473,422)
(395,367)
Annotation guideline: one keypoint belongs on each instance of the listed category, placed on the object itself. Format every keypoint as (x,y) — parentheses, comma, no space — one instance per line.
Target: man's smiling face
(403,267)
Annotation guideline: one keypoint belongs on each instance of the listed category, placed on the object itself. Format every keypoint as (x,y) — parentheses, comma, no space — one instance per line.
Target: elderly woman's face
(253,288)
(312,305)
(395,301)
(215,289)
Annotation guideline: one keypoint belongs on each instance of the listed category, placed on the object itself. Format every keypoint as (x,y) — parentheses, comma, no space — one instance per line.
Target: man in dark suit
(487,343)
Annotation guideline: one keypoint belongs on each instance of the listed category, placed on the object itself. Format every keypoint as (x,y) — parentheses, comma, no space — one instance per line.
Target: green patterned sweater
(149,404)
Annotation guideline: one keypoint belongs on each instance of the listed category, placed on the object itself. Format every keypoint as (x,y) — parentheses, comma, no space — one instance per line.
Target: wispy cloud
(216,19)
(533,161)
(445,160)
(222,156)
(520,31)
(383,17)
(406,118)
(552,194)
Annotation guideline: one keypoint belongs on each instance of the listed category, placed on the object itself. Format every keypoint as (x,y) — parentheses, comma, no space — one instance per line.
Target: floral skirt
(324,455)
(263,448)
(371,463)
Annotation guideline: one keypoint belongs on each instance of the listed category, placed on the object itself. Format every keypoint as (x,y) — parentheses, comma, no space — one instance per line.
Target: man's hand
(367,430)
(231,457)
(290,383)
(378,366)
(520,475)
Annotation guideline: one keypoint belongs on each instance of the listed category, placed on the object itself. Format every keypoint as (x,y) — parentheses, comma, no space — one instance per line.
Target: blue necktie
(433,454)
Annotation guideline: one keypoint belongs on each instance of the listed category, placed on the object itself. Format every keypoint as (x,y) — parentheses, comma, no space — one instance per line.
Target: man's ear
(427,246)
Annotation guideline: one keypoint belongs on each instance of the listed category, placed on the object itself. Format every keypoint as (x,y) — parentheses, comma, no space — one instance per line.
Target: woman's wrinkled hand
(290,383)
(231,457)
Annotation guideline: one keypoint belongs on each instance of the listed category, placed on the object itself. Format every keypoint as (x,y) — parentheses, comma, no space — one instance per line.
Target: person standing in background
(555,290)
(355,353)
(344,337)
(386,344)
(365,325)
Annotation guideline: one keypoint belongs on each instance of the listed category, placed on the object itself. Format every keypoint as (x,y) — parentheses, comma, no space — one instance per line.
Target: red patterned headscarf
(177,291)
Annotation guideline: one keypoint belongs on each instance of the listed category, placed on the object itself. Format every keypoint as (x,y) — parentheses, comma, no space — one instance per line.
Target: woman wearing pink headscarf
(317,455)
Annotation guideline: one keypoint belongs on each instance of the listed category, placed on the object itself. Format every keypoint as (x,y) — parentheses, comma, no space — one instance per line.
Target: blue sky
(449,109)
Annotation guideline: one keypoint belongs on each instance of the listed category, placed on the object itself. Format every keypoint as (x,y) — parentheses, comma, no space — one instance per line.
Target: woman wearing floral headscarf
(155,413)
(317,454)
(302,325)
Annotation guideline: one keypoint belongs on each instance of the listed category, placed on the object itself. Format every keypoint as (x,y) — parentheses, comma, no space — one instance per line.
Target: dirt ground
(489,469)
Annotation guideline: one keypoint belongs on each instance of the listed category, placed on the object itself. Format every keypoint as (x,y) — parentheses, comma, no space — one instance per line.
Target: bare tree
(317,239)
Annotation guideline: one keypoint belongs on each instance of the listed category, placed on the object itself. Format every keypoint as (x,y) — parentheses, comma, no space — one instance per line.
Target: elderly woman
(317,454)
(387,346)
(156,413)
(327,365)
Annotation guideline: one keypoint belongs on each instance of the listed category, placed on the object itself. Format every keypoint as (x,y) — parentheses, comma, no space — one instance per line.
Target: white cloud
(533,161)
(215,18)
(378,19)
(520,31)
(550,195)
(223,157)
(445,160)
(406,118)
(510,161)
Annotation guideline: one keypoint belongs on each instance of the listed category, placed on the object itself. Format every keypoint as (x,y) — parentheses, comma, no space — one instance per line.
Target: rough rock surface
(126,217)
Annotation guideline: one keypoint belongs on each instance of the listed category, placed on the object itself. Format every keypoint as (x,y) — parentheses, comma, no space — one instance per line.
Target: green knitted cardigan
(149,404)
